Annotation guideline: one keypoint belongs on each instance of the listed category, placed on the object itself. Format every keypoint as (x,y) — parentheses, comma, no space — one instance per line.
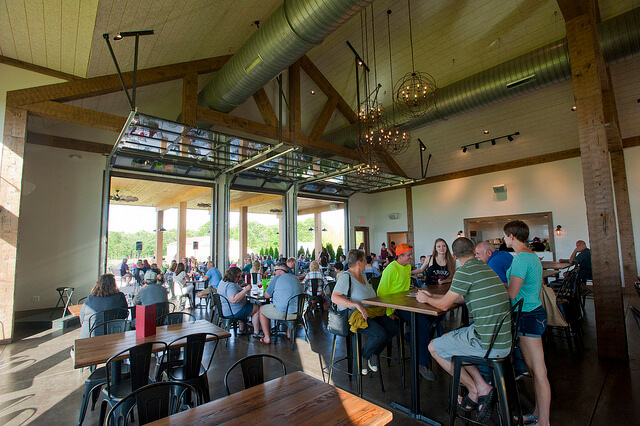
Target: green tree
(313,255)
(261,251)
(307,253)
(339,252)
(304,235)
(300,251)
(271,251)
(332,253)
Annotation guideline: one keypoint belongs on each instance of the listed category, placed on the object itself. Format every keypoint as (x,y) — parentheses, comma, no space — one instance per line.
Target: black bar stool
(64,296)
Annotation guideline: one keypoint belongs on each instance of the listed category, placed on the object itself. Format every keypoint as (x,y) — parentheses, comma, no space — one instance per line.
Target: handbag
(338,321)
(550,305)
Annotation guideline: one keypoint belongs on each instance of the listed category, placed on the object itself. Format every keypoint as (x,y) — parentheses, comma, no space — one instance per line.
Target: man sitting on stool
(581,256)
(477,285)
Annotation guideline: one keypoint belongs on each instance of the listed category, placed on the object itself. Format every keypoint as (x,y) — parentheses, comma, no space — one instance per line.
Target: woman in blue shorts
(524,279)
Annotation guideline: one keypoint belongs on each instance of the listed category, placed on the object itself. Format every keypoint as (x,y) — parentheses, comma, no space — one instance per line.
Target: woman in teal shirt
(524,279)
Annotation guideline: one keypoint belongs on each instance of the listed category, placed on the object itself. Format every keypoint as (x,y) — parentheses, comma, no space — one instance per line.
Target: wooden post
(409,199)
(11,161)
(182,230)
(317,229)
(159,237)
(189,98)
(589,75)
(294,99)
(280,234)
(244,210)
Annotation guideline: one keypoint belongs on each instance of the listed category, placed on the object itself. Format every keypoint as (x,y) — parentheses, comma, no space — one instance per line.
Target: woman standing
(380,329)
(439,266)
(180,287)
(524,279)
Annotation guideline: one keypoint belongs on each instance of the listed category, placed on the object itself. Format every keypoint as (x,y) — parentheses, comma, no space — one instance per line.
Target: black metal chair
(252,370)
(153,402)
(569,303)
(98,377)
(175,355)
(316,300)
(292,320)
(190,369)
(107,315)
(502,369)
(121,383)
(175,318)
(220,320)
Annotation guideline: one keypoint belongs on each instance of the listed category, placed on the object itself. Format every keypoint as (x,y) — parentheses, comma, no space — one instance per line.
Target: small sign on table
(145,321)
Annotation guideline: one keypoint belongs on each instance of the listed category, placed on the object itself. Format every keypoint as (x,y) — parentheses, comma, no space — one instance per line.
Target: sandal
(257,335)
(485,406)
(467,404)
(527,419)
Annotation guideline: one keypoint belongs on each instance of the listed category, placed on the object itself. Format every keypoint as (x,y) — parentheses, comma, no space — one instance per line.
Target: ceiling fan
(123,198)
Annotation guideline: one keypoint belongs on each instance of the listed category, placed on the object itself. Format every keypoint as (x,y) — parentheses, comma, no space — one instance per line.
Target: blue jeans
(424,334)
(379,334)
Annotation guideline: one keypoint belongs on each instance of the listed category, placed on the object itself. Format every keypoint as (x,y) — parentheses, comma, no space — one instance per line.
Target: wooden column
(189,98)
(280,234)
(159,237)
(294,99)
(317,230)
(182,230)
(409,199)
(589,75)
(11,161)
(244,211)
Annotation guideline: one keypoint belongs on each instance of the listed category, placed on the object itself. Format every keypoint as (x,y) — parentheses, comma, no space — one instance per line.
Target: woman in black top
(440,266)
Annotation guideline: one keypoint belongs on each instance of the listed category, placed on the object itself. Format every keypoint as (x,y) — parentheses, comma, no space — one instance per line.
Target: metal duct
(292,30)
(619,39)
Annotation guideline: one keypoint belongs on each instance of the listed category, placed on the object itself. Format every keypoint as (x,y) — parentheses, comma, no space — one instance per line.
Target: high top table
(97,350)
(294,399)
(546,264)
(404,302)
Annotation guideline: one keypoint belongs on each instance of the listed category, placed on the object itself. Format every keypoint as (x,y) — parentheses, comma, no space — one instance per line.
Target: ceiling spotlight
(573,108)
(324,229)
(477,146)
(313,92)
(493,141)
(310,228)
(510,138)
(117,37)
(359,63)
(464,149)
(486,132)
(423,147)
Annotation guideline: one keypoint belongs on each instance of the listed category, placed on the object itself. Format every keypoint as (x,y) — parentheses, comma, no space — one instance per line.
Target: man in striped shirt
(477,285)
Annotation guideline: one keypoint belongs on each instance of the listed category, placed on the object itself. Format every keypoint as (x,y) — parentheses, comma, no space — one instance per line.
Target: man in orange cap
(397,278)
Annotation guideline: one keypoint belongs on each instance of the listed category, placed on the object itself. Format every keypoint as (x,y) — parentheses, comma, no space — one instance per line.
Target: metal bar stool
(63,293)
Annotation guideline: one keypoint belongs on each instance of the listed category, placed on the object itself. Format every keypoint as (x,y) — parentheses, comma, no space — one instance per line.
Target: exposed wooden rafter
(76,115)
(265,108)
(68,143)
(96,86)
(189,98)
(324,117)
(37,68)
(294,98)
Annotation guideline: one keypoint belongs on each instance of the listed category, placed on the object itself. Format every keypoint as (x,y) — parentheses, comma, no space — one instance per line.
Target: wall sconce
(460,233)
(558,230)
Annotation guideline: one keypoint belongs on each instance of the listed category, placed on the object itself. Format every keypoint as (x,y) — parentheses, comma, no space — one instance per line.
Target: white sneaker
(364,369)
(373,363)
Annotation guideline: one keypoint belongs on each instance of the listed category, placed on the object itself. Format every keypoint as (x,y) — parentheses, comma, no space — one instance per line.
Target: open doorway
(362,238)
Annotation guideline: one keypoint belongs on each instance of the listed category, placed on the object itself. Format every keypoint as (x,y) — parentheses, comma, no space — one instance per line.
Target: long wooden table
(403,302)
(546,264)
(98,349)
(294,399)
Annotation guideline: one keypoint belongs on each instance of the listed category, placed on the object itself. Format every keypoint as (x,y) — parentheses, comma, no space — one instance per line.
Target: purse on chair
(338,321)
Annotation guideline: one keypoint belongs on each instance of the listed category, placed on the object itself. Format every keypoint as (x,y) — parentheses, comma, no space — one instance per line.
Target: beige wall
(59,225)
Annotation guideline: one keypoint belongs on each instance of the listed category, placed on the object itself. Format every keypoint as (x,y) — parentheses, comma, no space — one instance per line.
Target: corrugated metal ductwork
(619,39)
(292,30)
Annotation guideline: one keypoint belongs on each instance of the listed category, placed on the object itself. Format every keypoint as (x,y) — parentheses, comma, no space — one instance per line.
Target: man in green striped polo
(477,285)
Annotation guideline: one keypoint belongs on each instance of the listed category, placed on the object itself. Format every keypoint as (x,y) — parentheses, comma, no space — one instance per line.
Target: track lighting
(509,137)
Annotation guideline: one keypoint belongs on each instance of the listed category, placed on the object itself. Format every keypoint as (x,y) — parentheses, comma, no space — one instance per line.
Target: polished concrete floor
(38,384)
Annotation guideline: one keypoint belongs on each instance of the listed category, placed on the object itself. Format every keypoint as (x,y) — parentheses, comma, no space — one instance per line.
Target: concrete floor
(38,384)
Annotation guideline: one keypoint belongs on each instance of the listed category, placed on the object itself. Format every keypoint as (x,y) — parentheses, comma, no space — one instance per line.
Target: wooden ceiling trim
(231,122)
(68,143)
(631,142)
(327,88)
(190,193)
(75,115)
(189,98)
(324,117)
(320,209)
(254,200)
(265,108)
(39,69)
(96,86)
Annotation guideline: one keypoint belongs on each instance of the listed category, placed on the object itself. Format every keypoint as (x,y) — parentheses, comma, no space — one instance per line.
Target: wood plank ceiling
(452,40)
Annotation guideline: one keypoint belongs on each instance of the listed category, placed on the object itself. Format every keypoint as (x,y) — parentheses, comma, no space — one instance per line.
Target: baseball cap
(150,276)
(402,248)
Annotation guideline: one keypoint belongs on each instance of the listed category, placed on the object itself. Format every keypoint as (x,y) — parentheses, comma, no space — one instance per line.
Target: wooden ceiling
(453,39)
(164,196)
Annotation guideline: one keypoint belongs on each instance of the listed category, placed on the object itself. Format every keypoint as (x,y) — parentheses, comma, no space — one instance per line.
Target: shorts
(271,312)
(244,312)
(464,342)
(534,323)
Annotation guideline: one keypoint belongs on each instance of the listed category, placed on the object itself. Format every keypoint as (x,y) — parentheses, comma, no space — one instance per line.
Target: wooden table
(296,398)
(548,273)
(75,309)
(546,264)
(405,303)
(98,349)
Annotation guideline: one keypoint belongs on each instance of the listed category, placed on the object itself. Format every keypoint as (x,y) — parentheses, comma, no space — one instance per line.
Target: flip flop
(257,335)
(527,419)
(485,406)
(262,341)
(467,404)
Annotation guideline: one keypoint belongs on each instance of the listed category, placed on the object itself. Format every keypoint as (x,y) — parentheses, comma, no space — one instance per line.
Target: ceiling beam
(320,209)
(96,86)
(265,108)
(254,201)
(323,84)
(189,98)
(184,196)
(37,68)
(68,143)
(391,164)
(76,115)
(323,118)
(295,108)
(234,123)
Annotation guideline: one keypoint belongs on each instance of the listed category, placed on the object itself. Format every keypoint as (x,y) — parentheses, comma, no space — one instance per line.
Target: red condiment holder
(145,321)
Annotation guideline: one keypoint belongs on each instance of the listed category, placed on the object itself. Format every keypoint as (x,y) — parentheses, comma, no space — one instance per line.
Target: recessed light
(75,156)
(573,108)
(486,132)
(313,92)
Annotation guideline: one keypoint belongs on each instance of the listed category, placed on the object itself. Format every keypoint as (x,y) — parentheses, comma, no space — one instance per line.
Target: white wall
(632,163)
(58,235)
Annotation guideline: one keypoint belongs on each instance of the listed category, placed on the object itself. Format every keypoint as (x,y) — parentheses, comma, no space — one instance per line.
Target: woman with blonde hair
(314,273)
